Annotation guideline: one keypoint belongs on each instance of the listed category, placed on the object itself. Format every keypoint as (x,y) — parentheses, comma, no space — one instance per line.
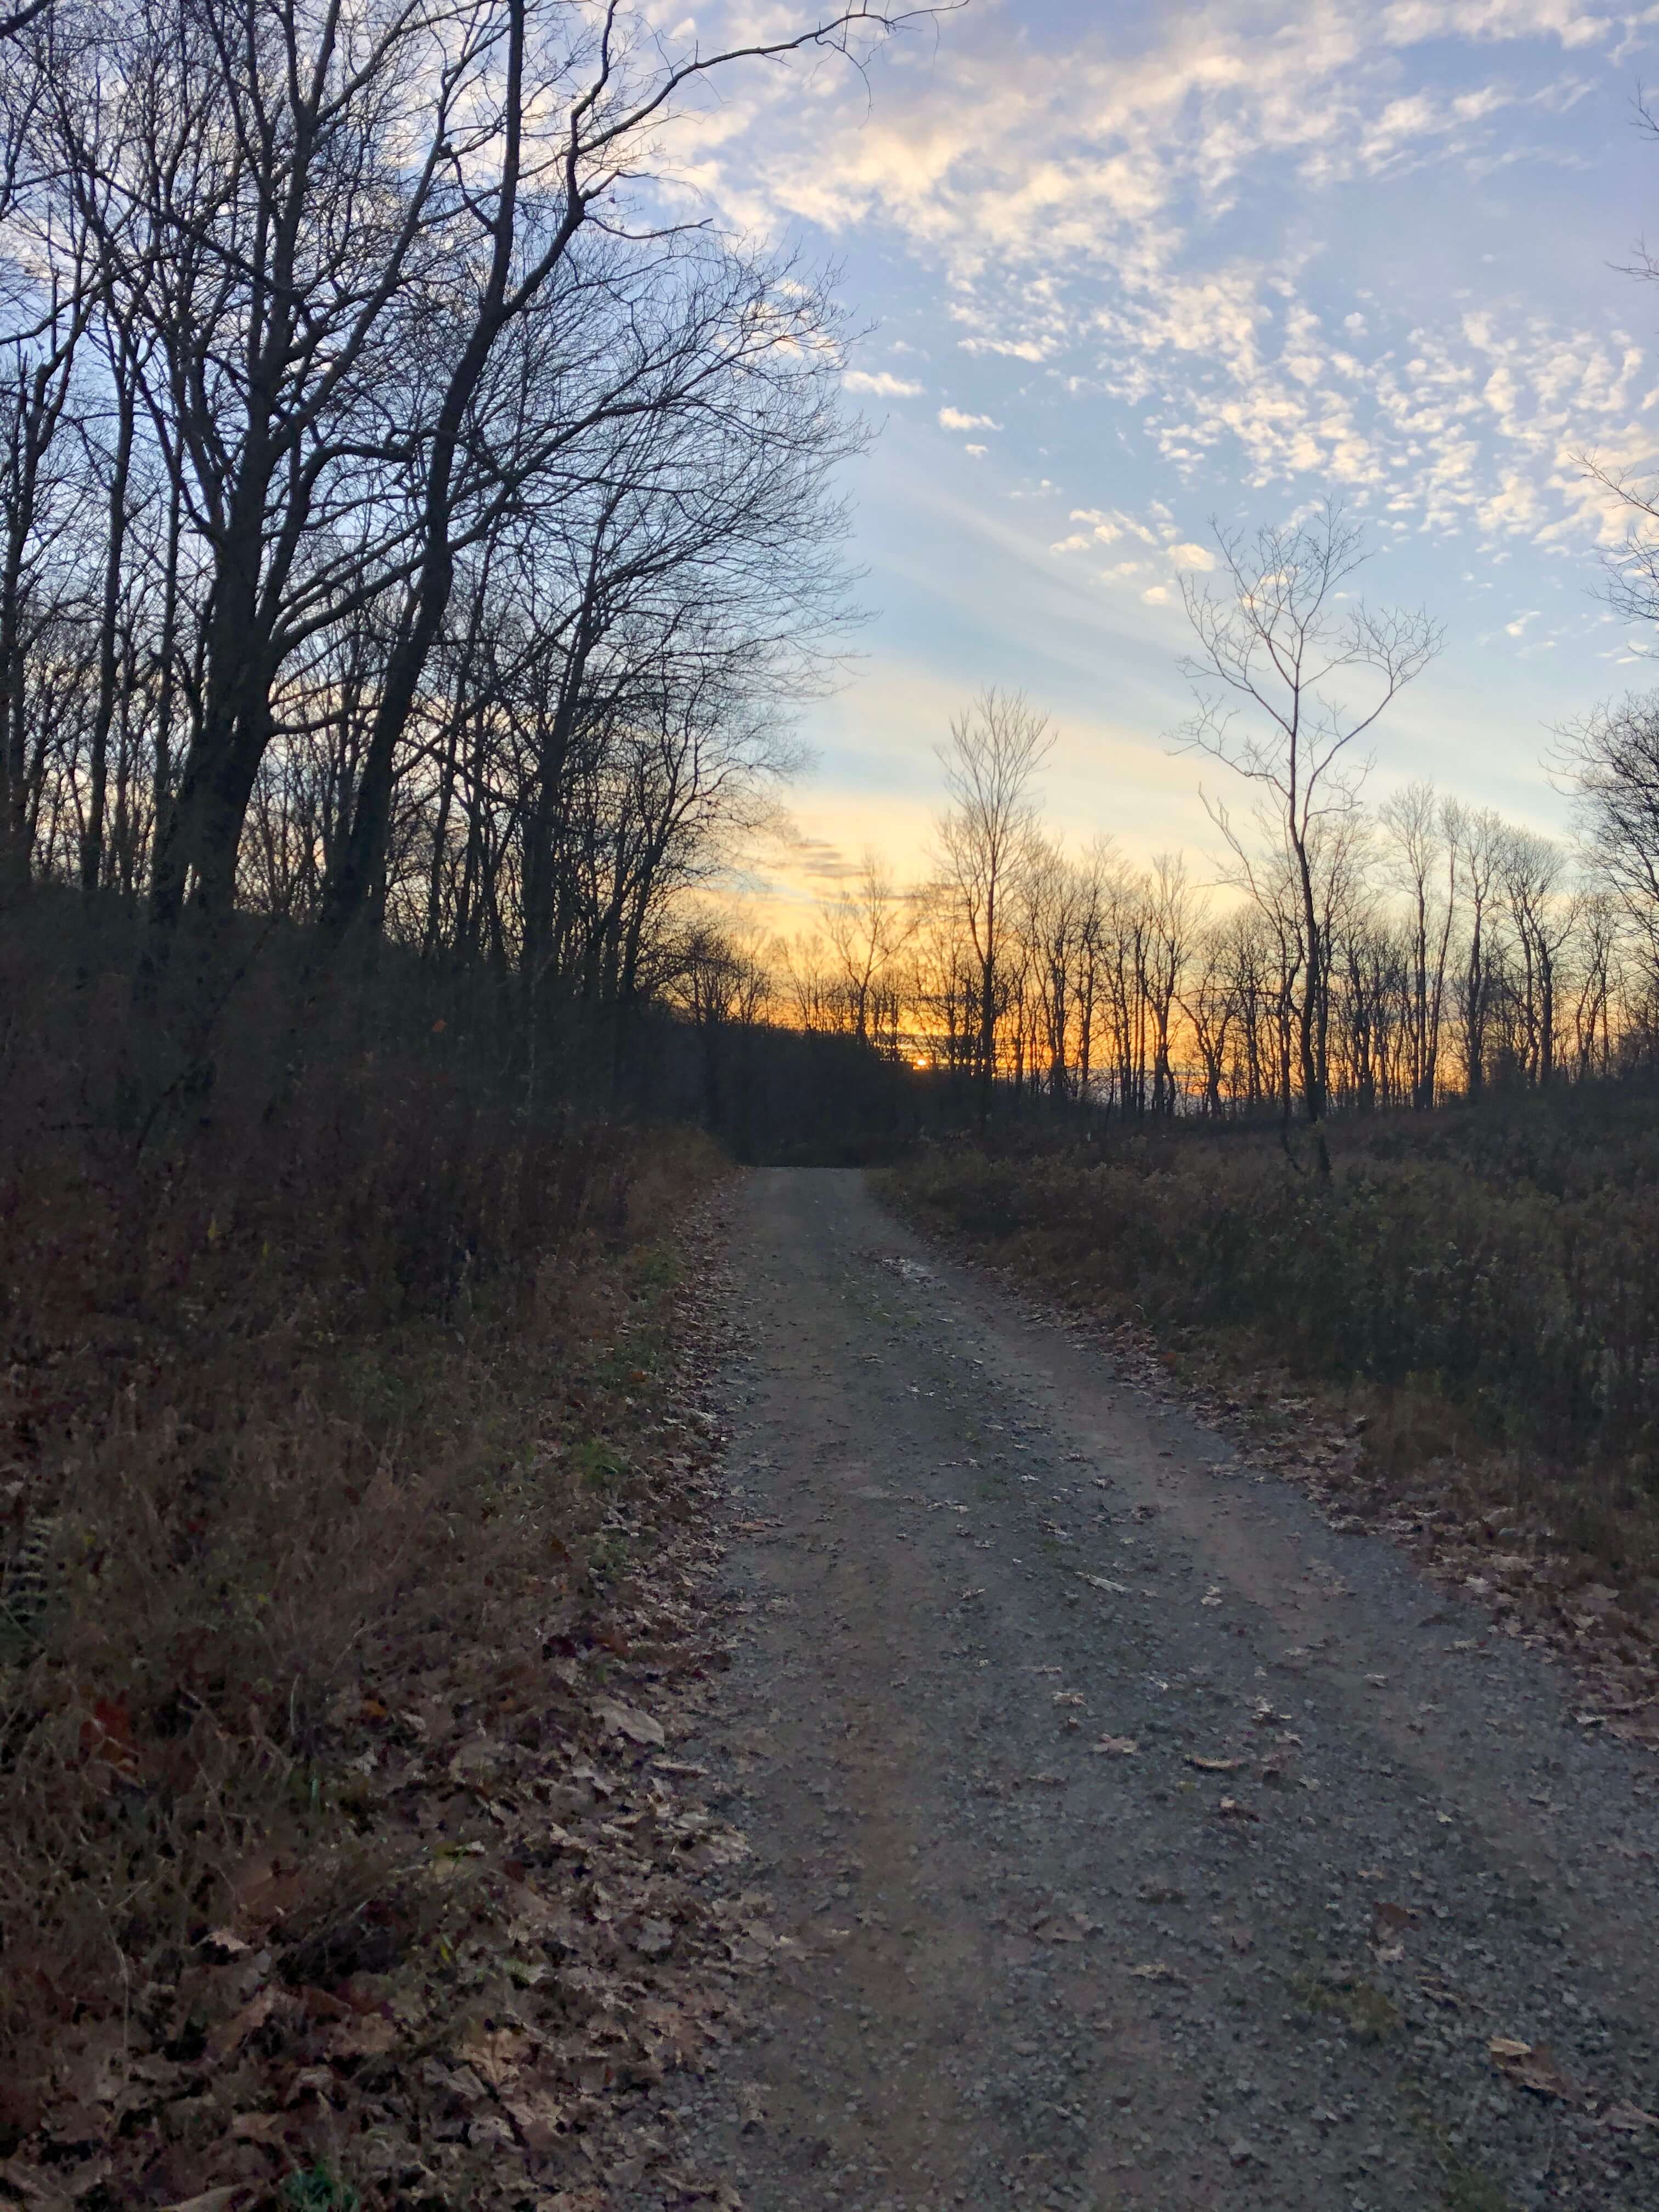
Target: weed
(657,1268)
(1468,2190)
(1369,2013)
(317,2190)
(598,1463)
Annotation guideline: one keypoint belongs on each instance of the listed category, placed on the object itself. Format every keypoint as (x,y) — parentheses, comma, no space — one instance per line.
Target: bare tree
(1478,833)
(867,927)
(1544,913)
(1270,644)
(321,232)
(1424,852)
(1610,763)
(1175,914)
(990,761)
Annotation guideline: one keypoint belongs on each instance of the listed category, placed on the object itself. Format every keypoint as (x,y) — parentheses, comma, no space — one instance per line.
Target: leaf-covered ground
(502,1914)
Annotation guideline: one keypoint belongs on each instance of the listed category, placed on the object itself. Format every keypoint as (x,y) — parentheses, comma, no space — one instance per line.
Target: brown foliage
(317,1383)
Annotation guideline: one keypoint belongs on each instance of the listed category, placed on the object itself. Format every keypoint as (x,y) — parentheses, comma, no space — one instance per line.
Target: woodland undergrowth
(342,1419)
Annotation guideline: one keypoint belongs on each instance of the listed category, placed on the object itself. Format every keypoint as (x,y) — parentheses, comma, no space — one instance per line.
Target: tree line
(1344,955)
(410,524)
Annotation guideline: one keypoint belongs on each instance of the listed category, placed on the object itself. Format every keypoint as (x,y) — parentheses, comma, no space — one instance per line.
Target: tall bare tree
(1609,761)
(1271,642)
(1424,853)
(991,760)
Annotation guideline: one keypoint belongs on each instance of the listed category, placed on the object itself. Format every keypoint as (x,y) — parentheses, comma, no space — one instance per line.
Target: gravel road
(1139,1840)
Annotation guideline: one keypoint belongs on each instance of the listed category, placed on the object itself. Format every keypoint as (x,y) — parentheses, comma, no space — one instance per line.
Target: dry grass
(312,1412)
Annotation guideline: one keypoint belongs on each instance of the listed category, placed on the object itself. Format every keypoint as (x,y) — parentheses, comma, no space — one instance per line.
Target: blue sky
(1132,267)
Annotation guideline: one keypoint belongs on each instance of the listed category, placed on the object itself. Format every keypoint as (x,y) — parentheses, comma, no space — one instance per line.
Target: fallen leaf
(1120,1746)
(80,2181)
(1529,2066)
(229,2037)
(1230,1809)
(367,2036)
(594,2072)
(654,1938)
(1051,1929)
(1395,1915)
(1155,1971)
(1438,1993)
(624,1720)
(496,2054)
(321,2004)
(25,2181)
(541,2119)
(1100,1583)
(1214,1766)
(309,2082)
(106,1737)
(1627,2120)
(261,2128)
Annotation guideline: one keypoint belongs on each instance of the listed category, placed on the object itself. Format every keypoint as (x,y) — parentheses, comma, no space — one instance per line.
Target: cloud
(1190,556)
(1134,215)
(816,859)
(1109,524)
(1413,23)
(1156,595)
(882,385)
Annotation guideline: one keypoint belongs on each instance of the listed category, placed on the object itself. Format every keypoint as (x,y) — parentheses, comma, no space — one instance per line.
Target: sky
(1127,270)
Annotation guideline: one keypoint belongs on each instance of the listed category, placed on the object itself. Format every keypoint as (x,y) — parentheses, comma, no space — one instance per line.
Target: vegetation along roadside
(1450,1335)
(354,1581)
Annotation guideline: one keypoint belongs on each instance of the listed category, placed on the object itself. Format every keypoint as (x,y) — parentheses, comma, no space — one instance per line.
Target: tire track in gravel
(1257,1961)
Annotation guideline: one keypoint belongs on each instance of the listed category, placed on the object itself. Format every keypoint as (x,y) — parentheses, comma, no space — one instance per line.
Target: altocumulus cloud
(1126,197)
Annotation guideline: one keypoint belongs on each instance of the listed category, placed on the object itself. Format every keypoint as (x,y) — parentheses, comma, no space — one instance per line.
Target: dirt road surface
(1137,1840)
